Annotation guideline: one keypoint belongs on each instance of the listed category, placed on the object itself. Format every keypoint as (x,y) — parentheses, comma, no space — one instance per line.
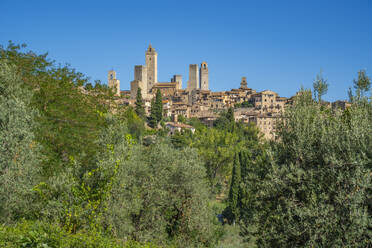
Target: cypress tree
(230,115)
(234,189)
(152,118)
(158,106)
(140,110)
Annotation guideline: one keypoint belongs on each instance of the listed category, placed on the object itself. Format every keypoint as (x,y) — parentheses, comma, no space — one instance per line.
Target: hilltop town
(197,100)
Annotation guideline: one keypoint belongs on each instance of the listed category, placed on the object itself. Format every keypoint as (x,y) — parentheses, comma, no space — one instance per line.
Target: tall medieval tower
(152,67)
(243,83)
(204,79)
(113,82)
(193,82)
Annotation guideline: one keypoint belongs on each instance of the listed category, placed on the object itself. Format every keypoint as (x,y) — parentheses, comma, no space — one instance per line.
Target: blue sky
(277,45)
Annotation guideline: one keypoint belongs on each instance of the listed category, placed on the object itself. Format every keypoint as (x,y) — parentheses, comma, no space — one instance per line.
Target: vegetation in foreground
(76,170)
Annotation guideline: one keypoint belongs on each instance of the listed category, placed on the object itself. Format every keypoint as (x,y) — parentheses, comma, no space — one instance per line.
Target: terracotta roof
(163,85)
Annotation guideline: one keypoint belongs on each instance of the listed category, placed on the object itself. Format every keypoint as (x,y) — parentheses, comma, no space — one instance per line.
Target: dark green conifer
(152,118)
(158,106)
(140,110)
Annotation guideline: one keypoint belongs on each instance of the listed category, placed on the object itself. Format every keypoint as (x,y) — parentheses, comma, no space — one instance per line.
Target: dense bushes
(91,176)
(38,234)
(316,192)
(19,153)
(160,195)
(70,156)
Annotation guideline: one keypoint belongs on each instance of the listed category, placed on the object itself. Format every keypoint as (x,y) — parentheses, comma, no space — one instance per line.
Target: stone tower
(204,79)
(140,81)
(193,82)
(113,82)
(177,79)
(152,67)
(243,83)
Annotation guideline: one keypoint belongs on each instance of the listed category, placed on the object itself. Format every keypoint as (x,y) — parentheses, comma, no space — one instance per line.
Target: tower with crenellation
(152,67)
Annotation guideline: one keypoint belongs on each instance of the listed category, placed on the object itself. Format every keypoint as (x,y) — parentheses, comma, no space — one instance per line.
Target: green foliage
(244,104)
(77,196)
(320,86)
(181,119)
(39,234)
(316,189)
(156,111)
(160,195)
(181,139)
(158,106)
(140,110)
(226,121)
(152,120)
(70,119)
(361,85)
(217,148)
(231,238)
(235,189)
(135,124)
(19,153)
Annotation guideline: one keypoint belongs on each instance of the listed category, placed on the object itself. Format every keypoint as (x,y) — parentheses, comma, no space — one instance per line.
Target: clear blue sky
(277,45)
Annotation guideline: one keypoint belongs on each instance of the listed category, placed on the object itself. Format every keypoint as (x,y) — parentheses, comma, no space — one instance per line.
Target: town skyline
(277,46)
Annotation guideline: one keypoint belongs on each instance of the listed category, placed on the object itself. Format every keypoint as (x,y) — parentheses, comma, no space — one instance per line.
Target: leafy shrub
(39,234)
(316,192)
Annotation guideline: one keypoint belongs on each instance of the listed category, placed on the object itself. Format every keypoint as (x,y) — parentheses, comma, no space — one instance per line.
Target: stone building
(177,79)
(262,108)
(114,83)
(268,101)
(140,81)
